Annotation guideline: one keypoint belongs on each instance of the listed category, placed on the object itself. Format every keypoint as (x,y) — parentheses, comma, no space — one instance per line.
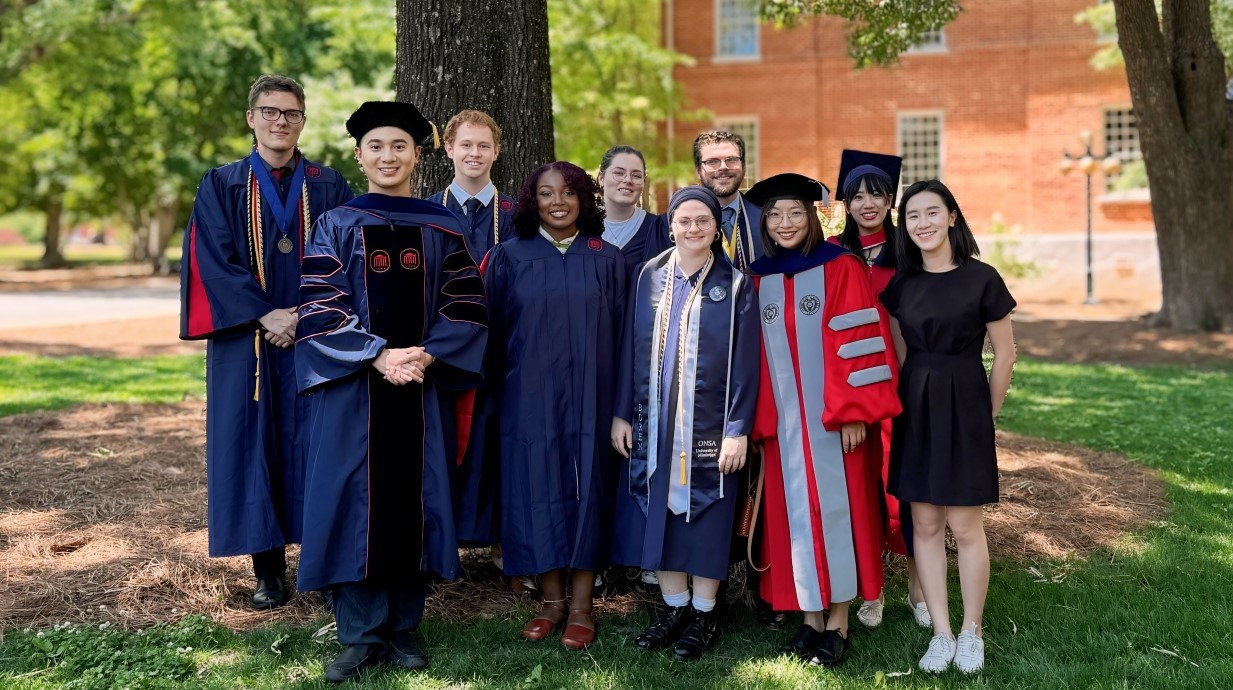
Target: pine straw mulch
(102,518)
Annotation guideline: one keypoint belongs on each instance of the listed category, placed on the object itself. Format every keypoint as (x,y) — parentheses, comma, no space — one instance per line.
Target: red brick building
(988,104)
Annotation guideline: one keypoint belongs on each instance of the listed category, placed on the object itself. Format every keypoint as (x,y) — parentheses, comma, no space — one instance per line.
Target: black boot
(698,637)
(270,594)
(667,630)
(270,567)
(353,660)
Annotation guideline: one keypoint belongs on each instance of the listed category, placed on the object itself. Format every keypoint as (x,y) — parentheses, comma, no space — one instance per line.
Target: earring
(672,237)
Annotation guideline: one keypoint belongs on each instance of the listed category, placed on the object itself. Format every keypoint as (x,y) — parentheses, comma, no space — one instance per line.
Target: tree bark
(489,55)
(1177,84)
(52,256)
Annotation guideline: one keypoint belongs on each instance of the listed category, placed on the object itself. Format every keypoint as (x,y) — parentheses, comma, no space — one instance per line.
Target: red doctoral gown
(826,361)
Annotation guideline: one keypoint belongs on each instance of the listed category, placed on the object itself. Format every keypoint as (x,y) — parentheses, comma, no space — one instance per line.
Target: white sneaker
(870,612)
(939,655)
(970,653)
(649,577)
(920,612)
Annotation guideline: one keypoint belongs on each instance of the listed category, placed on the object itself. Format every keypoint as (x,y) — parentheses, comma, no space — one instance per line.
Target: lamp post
(1111,164)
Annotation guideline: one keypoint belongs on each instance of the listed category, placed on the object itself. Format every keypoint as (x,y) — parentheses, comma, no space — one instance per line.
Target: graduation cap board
(374,114)
(788,186)
(855,164)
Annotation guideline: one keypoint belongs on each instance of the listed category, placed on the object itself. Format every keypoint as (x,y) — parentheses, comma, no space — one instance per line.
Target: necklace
(496,218)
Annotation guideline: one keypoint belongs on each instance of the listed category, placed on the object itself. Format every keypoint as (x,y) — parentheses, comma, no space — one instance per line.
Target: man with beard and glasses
(719,162)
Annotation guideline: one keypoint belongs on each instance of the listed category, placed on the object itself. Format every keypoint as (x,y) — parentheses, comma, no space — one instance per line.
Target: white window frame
(752,149)
(941,117)
(938,47)
(1103,142)
(721,57)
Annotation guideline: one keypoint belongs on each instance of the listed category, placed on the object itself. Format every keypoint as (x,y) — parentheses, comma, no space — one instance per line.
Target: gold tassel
(683,479)
(257,373)
(436,137)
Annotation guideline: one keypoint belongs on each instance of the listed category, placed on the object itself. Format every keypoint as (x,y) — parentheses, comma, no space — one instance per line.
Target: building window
(932,41)
(748,130)
(920,144)
(736,29)
(1122,140)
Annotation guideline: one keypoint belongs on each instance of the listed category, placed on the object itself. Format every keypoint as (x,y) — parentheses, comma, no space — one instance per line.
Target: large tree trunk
(164,224)
(1177,84)
(489,55)
(52,256)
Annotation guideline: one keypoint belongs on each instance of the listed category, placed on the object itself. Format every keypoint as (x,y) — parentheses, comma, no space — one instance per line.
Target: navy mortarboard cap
(788,186)
(374,114)
(854,165)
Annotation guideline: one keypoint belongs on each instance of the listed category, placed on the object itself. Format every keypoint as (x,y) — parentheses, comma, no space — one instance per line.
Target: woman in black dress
(942,303)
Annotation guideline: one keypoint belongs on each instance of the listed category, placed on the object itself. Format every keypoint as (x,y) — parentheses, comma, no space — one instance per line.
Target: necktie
(729,217)
(473,207)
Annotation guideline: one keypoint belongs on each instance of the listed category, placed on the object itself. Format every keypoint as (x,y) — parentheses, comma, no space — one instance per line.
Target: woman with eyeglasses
(826,375)
(638,234)
(685,402)
(557,296)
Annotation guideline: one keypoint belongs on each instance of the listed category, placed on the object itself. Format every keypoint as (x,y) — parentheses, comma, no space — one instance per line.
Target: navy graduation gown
(721,384)
(750,221)
(254,448)
(556,324)
(648,242)
(384,272)
(478,227)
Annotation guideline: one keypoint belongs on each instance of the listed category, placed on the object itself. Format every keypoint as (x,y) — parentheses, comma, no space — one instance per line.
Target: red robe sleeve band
(859,360)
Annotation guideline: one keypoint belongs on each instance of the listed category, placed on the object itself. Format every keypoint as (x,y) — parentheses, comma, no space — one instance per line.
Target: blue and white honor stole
(700,411)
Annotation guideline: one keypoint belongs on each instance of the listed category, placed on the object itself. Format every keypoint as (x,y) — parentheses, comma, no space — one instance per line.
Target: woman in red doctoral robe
(826,376)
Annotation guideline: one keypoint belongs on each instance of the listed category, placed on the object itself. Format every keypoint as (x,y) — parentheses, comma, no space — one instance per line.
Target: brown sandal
(579,629)
(543,623)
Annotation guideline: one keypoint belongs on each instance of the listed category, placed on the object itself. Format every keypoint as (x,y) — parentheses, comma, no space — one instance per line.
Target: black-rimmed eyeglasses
(294,117)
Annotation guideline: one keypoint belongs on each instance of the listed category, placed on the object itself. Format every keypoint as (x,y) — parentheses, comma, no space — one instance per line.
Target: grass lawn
(1150,613)
(29,383)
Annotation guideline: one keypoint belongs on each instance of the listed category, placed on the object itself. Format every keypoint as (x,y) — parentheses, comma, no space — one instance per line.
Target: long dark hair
(590,209)
(814,234)
(962,243)
(850,238)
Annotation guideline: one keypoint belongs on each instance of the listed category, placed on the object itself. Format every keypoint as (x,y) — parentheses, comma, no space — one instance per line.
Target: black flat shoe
(271,594)
(803,642)
(832,648)
(404,652)
(698,637)
(350,664)
(672,622)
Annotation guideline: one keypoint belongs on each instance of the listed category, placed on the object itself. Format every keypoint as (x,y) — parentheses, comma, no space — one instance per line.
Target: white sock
(677,600)
(703,605)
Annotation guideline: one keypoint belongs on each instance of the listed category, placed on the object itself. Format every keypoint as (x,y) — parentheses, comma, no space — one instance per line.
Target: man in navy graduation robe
(472,141)
(719,162)
(240,277)
(392,329)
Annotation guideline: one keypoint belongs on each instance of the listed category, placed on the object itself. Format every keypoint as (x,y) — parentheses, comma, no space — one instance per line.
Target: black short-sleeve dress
(942,449)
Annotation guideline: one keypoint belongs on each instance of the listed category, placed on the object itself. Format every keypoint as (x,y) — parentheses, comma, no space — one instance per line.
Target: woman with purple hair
(557,292)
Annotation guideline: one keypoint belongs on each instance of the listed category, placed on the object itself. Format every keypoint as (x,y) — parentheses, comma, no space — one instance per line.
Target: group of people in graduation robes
(574,322)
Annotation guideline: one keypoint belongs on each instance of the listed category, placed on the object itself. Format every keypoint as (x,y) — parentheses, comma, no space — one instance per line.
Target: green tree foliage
(1103,21)
(612,83)
(116,107)
(879,31)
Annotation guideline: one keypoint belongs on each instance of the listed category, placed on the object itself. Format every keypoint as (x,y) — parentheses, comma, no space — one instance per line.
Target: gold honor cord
(496,219)
(665,312)
(733,246)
